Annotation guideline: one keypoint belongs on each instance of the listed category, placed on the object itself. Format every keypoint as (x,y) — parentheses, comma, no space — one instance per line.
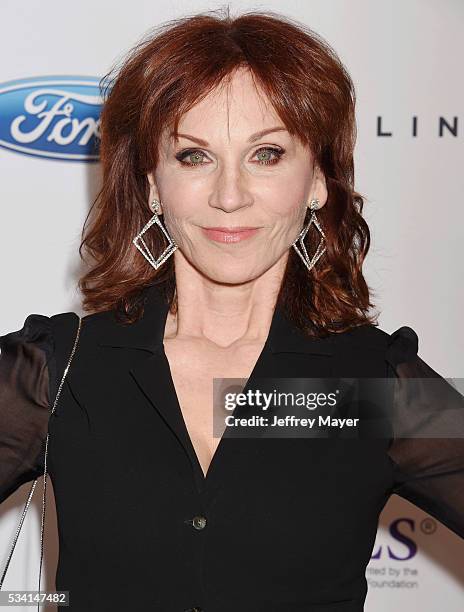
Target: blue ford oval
(53,117)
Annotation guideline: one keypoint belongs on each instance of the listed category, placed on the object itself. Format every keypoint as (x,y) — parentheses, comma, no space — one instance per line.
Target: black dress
(277,524)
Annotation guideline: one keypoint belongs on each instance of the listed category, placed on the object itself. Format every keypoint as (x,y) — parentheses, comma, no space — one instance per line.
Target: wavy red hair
(160,79)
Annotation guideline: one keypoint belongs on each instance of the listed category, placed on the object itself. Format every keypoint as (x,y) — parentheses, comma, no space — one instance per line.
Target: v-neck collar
(148,332)
(152,374)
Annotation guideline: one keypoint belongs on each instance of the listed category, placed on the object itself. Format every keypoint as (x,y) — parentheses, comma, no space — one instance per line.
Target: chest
(119,452)
(126,483)
(193,369)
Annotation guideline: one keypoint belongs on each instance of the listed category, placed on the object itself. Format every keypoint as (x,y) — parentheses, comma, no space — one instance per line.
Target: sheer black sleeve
(427,448)
(26,369)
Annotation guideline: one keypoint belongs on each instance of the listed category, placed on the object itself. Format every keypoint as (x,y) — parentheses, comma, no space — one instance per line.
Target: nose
(230,191)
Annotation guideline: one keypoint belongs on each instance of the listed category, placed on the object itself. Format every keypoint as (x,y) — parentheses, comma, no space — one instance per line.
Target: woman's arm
(26,368)
(427,449)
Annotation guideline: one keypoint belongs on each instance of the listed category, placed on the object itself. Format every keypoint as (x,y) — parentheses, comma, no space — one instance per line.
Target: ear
(319,187)
(154,193)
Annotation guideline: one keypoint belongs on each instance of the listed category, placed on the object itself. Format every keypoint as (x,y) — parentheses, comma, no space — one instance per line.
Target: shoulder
(369,350)
(35,333)
(39,333)
(375,335)
(399,345)
(368,336)
(40,328)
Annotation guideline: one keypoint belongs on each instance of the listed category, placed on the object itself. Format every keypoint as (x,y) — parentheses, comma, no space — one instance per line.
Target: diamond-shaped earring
(169,250)
(309,263)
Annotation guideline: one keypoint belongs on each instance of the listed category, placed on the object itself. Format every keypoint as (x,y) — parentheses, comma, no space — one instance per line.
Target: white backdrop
(406,61)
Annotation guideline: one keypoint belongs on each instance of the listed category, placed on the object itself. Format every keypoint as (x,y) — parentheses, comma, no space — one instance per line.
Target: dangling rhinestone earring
(309,263)
(172,246)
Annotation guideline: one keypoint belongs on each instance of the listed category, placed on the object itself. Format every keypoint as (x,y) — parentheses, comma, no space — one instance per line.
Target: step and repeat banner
(405,59)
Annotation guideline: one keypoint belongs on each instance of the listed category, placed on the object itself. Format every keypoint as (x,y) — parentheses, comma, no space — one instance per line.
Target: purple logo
(404,548)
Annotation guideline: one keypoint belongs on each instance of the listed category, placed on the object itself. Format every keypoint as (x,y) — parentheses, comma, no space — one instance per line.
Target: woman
(227,242)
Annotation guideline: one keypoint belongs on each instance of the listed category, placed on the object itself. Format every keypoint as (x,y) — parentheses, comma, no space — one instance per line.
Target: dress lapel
(150,371)
(286,353)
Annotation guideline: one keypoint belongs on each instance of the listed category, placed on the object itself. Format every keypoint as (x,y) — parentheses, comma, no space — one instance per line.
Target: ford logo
(53,117)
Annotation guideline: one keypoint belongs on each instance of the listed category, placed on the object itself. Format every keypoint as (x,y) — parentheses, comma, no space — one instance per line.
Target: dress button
(199,522)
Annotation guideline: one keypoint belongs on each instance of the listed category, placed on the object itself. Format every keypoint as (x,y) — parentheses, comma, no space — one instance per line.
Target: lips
(229,234)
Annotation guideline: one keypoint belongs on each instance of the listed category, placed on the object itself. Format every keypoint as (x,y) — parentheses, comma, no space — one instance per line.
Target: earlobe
(153,194)
(321,192)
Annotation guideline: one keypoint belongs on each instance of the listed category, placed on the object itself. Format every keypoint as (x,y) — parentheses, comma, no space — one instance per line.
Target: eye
(193,153)
(267,151)
(264,153)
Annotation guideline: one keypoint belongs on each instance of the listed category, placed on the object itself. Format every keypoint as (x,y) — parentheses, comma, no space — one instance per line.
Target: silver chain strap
(31,492)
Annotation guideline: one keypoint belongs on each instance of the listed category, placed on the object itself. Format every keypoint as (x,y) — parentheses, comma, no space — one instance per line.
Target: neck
(223,314)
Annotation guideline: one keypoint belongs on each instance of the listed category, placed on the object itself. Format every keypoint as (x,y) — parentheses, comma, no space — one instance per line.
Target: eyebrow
(252,138)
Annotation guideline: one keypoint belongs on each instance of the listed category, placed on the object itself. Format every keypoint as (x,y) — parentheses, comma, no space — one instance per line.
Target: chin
(231,276)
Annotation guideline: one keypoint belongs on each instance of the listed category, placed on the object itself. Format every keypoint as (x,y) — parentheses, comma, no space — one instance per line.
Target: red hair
(160,79)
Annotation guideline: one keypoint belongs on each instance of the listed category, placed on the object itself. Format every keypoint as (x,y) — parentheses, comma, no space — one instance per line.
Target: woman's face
(222,173)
